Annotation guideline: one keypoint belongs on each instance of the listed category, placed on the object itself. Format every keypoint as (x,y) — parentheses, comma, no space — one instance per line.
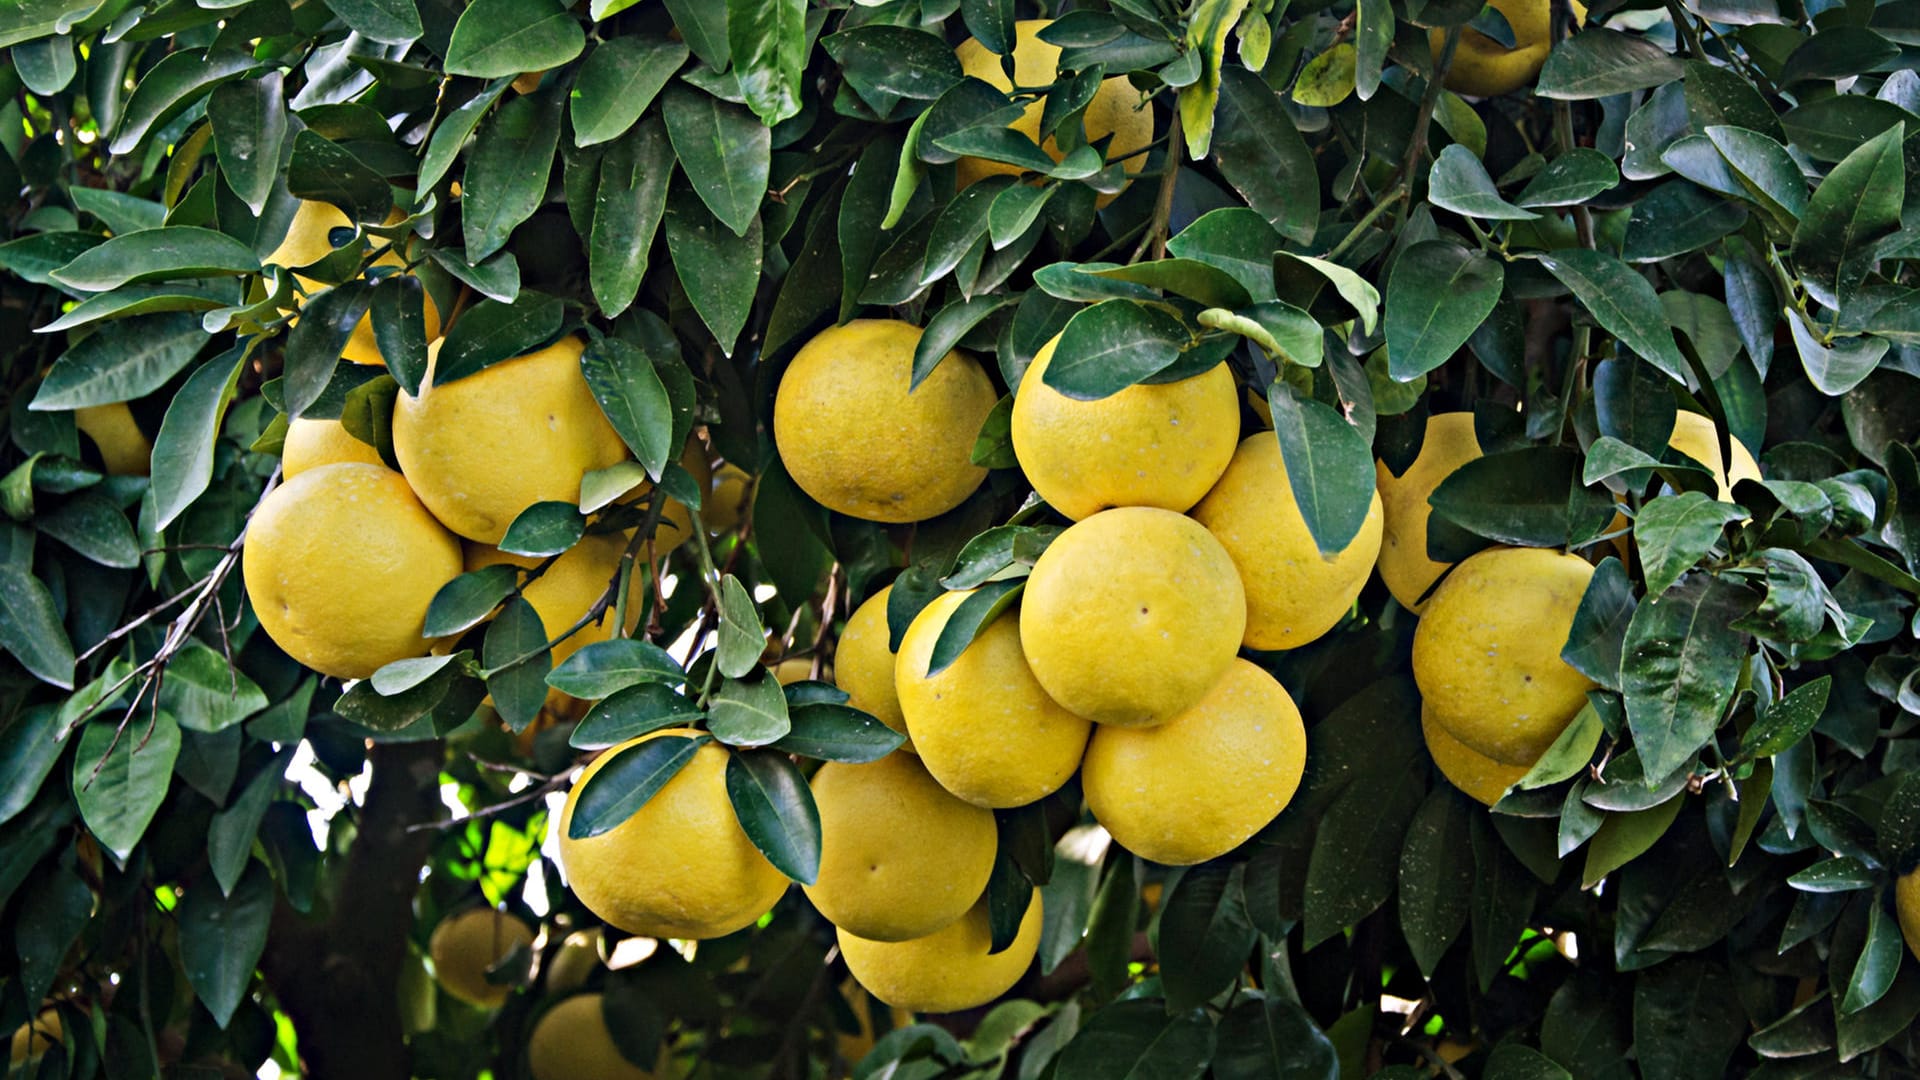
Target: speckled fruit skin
(681,866)
(481,449)
(945,971)
(900,857)
(1152,444)
(856,439)
(1199,785)
(1294,593)
(1131,615)
(863,665)
(340,564)
(983,726)
(1487,651)
(1479,776)
(312,443)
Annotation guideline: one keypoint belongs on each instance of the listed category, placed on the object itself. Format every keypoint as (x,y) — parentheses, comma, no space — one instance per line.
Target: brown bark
(337,976)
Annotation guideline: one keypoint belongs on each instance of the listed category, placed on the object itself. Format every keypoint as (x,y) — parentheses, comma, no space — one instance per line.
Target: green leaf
(120,800)
(390,22)
(719,270)
(222,939)
(724,151)
(776,811)
(467,600)
(768,44)
(974,614)
(399,316)
(1205,935)
(518,686)
(490,332)
(503,38)
(451,133)
(1436,876)
(627,208)
(1676,218)
(1328,79)
(1234,239)
(1842,873)
(249,125)
(1687,1018)
(741,636)
(619,79)
(749,712)
(634,399)
(1458,182)
(894,62)
(1572,178)
(1598,62)
(1764,168)
(1682,657)
(1437,296)
(1501,905)
(1852,210)
(632,712)
(50,918)
(1879,960)
(1270,1036)
(993,551)
(167,88)
(543,529)
(1329,467)
(30,746)
(1111,346)
(629,778)
(1673,532)
(30,627)
(508,170)
(1516,1061)
(92,525)
(175,251)
(1783,723)
(231,832)
(947,327)
(1357,291)
(1138,1040)
(400,676)
(605,667)
(1570,754)
(313,348)
(1356,855)
(1261,154)
(1192,278)
(322,169)
(205,693)
(1531,497)
(35,258)
(185,447)
(837,733)
(1838,366)
(1622,302)
(1599,629)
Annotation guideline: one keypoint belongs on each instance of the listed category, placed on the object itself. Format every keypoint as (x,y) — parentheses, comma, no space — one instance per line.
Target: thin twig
(1155,239)
(553,784)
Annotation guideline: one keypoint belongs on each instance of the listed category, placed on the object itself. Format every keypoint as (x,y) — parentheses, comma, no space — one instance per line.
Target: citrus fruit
(1487,651)
(726,504)
(1481,777)
(1294,593)
(983,726)
(1906,898)
(899,856)
(1116,108)
(479,450)
(1131,615)
(1199,785)
(1404,566)
(312,443)
(568,589)
(794,669)
(1696,436)
(574,962)
(34,1039)
(340,564)
(1484,67)
(1152,444)
(854,437)
(681,866)
(467,943)
(570,1041)
(124,448)
(308,240)
(948,970)
(863,665)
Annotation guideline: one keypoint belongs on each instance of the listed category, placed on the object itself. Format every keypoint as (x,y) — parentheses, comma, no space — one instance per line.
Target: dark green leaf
(30,627)
(93,526)
(776,811)
(1532,497)
(249,124)
(1111,346)
(977,612)
(1852,210)
(1261,153)
(390,22)
(719,270)
(30,745)
(545,528)
(1269,1037)
(399,316)
(451,133)
(517,660)
(1205,935)
(507,172)
(490,331)
(749,712)
(170,86)
(51,916)
(1673,532)
(619,80)
(1138,1040)
(604,667)
(324,170)
(467,600)
(624,784)
(1622,302)
(1599,630)
(1681,658)
(1437,296)
(184,448)
(230,833)
(1436,876)
(1573,177)
(1598,62)
(741,636)
(894,61)
(222,938)
(205,693)
(1460,183)
(1785,722)
(1329,467)
(313,348)
(837,733)
(1837,366)
(1687,1019)
(768,44)
(175,251)
(632,712)
(119,800)
(724,151)
(496,38)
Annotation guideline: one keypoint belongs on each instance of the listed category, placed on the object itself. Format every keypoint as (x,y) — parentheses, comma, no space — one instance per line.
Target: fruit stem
(1688,32)
(1429,100)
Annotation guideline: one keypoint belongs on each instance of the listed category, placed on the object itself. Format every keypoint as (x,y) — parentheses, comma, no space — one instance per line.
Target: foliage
(1701,205)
